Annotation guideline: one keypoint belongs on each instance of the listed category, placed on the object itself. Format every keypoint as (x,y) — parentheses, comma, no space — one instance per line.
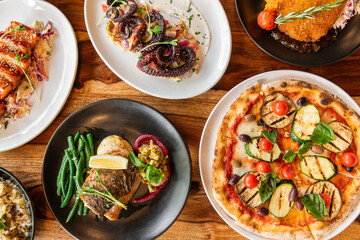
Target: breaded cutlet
(308,30)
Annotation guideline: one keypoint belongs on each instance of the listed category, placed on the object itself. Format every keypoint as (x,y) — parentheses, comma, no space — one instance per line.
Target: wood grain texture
(198,220)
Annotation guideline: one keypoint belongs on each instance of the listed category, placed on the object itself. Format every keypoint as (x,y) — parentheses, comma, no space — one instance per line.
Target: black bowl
(348,39)
(128,119)
(6,175)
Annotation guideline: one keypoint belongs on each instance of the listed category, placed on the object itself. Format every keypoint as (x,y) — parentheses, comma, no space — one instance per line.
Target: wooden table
(198,220)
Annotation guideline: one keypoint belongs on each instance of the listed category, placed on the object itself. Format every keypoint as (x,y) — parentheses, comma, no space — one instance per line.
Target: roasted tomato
(266,20)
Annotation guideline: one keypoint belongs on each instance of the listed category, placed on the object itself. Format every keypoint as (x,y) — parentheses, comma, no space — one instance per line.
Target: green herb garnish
(152,173)
(173,42)
(268,186)
(98,23)
(18,28)
(106,195)
(270,135)
(6,124)
(27,77)
(315,204)
(308,13)
(190,19)
(157,29)
(322,134)
(290,155)
(2,225)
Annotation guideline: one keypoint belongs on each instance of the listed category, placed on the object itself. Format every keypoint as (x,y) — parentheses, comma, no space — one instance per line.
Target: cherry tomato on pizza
(349,159)
(265,145)
(326,198)
(287,172)
(250,181)
(280,108)
(263,167)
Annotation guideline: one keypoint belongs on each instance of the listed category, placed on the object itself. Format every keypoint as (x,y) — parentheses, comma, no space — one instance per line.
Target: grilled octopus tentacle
(130,9)
(132,29)
(148,65)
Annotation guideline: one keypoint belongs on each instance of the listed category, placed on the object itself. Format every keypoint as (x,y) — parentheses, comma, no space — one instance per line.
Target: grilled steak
(122,184)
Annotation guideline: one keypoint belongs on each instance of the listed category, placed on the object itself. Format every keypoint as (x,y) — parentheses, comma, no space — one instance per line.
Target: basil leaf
(135,160)
(315,204)
(270,135)
(153,174)
(289,156)
(157,29)
(304,148)
(322,134)
(268,186)
(2,225)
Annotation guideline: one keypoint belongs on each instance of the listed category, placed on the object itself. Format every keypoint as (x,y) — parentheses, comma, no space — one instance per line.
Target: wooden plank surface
(198,220)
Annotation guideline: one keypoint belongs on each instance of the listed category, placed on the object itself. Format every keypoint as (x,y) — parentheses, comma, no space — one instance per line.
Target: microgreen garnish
(140,11)
(18,28)
(106,195)
(308,13)
(115,1)
(123,2)
(152,173)
(27,77)
(173,42)
(157,29)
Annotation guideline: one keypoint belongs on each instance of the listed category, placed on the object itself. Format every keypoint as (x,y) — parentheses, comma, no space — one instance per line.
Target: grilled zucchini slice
(273,120)
(250,197)
(280,205)
(253,150)
(305,121)
(343,137)
(318,168)
(330,189)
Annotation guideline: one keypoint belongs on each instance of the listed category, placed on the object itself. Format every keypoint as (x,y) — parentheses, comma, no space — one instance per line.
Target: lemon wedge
(108,162)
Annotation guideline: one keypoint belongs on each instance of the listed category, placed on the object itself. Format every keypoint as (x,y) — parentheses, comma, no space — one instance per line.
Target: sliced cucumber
(318,168)
(305,121)
(330,189)
(280,205)
(250,197)
(343,138)
(253,150)
(273,120)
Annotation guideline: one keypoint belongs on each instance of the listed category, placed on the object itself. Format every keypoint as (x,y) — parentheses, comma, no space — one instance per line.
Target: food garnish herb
(290,155)
(189,8)
(18,28)
(106,195)
(2,225)
(27,77)
(315,204)
(322,134)
(6,124)
(308,13)
(173,42)
(270,135)
(98,23)
(190,19)
(268,186)
(152,173)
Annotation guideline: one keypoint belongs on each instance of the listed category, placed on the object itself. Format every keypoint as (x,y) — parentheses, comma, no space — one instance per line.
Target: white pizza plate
(208,138)
(62,70)
(123,63)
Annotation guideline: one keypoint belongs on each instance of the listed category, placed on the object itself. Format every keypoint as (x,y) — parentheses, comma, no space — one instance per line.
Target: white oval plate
(208,138)
(62,70)
(123,64)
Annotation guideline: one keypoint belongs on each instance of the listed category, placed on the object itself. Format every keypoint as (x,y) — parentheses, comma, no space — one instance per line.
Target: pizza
(286,160)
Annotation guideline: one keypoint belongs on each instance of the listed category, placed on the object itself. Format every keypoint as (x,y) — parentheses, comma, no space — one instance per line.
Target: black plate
(348,39)
(128,119)
(6,175)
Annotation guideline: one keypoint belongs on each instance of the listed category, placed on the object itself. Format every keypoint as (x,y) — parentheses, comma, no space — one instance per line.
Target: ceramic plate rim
(213,123)
(99,102)
(46,121)
(165,95)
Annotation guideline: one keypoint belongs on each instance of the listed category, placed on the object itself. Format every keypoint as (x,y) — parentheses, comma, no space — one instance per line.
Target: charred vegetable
(343,138)
(250,197)
(306,120)
(318,168)
(280,205)
(326,187)
(271,118)
(254,151)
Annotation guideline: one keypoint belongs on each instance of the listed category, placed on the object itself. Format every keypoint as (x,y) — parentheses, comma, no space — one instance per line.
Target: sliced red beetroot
(145,139)
(148,196)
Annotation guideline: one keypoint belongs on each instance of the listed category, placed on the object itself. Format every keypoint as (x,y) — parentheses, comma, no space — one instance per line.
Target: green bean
(76,138)
(69,192)
(80,208)
(58,183)
(87,151)
(72,148)
(73,210)
(91,143)
(79,180)
(85,211)
(63,176)
(80,146)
